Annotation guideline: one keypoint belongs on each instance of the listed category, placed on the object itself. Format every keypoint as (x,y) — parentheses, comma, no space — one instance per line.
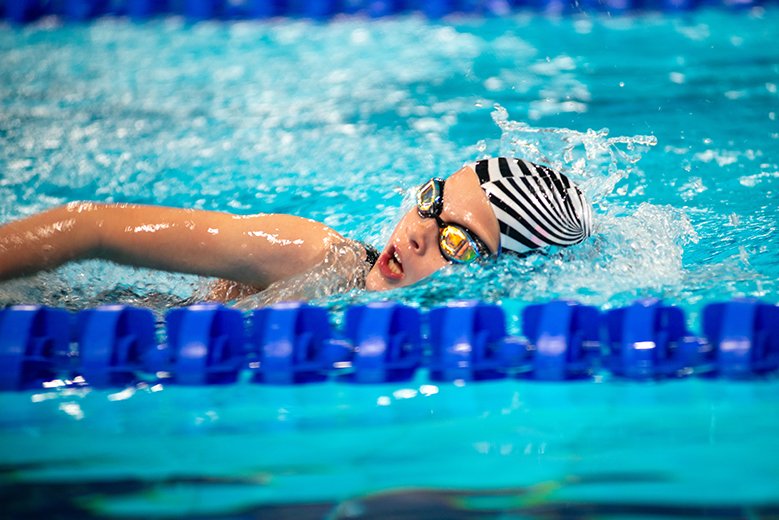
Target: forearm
(165,238)
(255,250)
(48,239)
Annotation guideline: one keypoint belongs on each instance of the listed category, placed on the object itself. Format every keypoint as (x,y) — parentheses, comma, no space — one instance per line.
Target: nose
(421,234)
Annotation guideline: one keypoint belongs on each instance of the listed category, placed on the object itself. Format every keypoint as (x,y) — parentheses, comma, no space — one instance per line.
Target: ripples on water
(337,122)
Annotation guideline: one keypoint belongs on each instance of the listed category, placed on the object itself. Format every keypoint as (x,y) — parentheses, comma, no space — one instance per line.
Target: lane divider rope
(383,342)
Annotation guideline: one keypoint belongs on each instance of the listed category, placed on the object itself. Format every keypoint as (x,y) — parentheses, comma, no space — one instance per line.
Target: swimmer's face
(413,253)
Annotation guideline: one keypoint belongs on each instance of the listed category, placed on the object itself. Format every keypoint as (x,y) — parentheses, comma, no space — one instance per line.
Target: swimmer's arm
(45,240)
(255,250)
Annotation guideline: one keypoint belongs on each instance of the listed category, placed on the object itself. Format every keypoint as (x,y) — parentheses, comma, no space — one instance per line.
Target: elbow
(90,218)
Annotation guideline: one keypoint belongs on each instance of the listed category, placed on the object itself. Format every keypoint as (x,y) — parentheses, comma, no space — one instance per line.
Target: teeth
(395,264)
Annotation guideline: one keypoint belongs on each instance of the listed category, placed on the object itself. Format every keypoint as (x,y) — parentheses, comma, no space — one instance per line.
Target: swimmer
(486,209)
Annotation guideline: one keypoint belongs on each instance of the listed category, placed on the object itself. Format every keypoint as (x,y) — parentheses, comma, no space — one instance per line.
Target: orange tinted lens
(456,246)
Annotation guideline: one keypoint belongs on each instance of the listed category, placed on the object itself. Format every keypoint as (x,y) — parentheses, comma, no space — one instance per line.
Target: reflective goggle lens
(456,245)
(427,196)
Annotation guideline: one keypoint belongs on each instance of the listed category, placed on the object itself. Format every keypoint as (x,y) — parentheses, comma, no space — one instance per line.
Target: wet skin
(254,250)
(247,252)
(412,252)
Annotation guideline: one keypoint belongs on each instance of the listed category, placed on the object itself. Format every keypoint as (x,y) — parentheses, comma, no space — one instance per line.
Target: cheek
(407,220)
(419,267)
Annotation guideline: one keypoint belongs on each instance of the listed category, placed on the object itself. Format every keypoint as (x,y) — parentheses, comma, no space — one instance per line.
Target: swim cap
(536,207)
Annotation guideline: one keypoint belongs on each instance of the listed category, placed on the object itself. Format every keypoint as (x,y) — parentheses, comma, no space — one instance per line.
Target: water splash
(633,254)
(594,160)
(92,283)
(383,106)
(635,251)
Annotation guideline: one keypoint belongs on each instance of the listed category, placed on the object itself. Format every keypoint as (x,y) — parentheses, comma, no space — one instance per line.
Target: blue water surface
(687,449)
(669,124)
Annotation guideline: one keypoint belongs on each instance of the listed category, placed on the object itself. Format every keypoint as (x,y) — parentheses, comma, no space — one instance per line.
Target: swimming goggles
(457,243)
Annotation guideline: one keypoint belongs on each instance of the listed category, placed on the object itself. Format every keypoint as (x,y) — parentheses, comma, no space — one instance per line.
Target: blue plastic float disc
(386,340)
(565,339)
(647,340)
(465,342)
(116,343)
(744,335)
(34,344)
(207,344)
(293,343)
(83,10)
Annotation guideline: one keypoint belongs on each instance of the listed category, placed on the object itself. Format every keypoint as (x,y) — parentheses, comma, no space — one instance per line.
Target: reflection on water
(507,447)
(86,499)
(220,116)
(336,122)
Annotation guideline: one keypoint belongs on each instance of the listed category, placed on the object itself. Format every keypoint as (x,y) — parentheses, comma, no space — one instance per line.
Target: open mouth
(390,264)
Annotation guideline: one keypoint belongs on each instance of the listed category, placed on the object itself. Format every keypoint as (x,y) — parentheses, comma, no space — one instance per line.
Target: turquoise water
(337,122)
(686,449)
(669,123)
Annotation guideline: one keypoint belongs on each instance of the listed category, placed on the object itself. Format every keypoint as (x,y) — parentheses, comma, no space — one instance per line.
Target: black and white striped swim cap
(536,207)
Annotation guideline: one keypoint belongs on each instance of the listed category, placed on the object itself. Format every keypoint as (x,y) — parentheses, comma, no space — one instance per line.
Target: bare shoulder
(267,248)
(281,239)
(343,268)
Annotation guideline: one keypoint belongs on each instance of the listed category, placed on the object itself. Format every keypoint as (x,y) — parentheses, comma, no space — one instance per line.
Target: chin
(374,282)
(370,284)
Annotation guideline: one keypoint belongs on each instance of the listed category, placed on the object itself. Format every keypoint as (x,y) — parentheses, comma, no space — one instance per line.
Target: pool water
(669,124)
(689,448)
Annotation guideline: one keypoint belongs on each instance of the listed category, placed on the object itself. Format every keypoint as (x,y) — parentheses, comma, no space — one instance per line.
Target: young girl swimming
(483,210)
